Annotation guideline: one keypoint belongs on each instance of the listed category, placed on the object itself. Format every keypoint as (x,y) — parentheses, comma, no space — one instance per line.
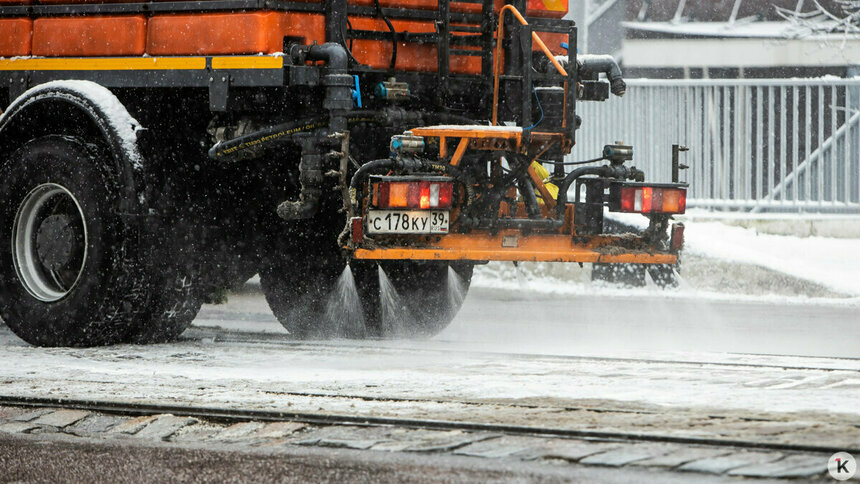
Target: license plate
(407,221)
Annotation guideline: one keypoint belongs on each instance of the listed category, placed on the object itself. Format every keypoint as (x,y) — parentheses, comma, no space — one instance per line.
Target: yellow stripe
(248,62)
(103,64)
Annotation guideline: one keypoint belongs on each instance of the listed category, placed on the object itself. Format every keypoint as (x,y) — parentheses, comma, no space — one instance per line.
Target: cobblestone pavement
(731,463)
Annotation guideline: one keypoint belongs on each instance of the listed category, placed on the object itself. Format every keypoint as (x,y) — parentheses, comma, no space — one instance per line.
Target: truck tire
(73,276)
(175,299)
(300,289)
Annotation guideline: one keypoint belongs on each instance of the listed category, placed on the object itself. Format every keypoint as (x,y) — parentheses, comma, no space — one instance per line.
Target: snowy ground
(756,361)
(493,365)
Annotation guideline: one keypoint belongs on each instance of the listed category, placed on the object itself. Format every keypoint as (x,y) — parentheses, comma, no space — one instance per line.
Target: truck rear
(154,153)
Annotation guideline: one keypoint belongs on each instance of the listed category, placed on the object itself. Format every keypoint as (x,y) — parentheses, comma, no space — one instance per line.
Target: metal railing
(755,144)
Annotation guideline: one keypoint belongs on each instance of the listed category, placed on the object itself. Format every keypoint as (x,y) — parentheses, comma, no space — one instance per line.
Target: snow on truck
(153,152)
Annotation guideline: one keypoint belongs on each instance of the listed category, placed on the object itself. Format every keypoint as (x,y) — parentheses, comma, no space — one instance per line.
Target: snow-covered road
(679,366)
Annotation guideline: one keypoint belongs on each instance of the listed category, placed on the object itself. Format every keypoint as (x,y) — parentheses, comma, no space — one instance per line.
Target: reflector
(446,191)
(398,195)
(434,195)
(357,230)
(671,200)
(627,199)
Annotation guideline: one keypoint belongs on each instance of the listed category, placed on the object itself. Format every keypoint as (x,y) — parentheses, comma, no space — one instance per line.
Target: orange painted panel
(15,36)
(553,42)
(89,36)
(15,2)
(411,56)
(230,33)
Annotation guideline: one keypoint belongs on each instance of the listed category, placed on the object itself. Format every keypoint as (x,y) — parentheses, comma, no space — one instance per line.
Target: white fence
(755,144)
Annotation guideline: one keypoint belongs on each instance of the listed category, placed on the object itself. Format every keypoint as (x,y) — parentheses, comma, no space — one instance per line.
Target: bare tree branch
(822,20)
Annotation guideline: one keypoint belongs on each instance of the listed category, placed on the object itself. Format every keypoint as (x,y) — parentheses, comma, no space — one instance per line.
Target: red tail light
(648,199)
(357,225)
(420,194)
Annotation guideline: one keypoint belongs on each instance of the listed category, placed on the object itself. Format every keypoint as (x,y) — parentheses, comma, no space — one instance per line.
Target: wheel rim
(49,242)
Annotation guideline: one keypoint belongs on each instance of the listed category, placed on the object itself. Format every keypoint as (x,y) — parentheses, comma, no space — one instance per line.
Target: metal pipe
(338,101)
(591,65)
(529,199)
(561,199)
(250,145)
(311,178)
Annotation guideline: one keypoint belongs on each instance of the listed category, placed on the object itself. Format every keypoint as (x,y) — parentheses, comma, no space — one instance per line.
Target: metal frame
(221,81)
(759,145)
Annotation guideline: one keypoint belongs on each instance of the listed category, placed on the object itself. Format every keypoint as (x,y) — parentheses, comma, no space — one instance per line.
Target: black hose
(251,145)
(571,163)
(529,198)
(224,150)
(393,34)
(362,173)
(561,199)
(348,45)
(619,172)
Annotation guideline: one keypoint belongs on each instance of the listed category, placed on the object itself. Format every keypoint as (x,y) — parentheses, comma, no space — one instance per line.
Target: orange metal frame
(497,56)
(510,245)
(470,135)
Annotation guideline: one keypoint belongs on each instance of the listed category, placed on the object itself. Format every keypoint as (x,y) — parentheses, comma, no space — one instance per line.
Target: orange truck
(152,153)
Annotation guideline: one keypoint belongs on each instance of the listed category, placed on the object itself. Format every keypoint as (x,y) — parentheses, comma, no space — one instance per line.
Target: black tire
(110,292)
(311,295)
(175,297)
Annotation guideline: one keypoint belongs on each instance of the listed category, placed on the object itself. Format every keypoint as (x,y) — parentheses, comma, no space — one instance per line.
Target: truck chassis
(135,186)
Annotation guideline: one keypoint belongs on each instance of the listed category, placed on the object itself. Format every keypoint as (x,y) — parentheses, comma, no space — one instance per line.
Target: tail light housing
(669,198)
(546,8)
(422,193)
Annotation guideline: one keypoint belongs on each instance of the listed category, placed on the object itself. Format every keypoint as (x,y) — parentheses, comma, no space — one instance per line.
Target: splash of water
(393,310)
(682,283)
(344,309)
(522,281)
(456,290)
(650,284)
